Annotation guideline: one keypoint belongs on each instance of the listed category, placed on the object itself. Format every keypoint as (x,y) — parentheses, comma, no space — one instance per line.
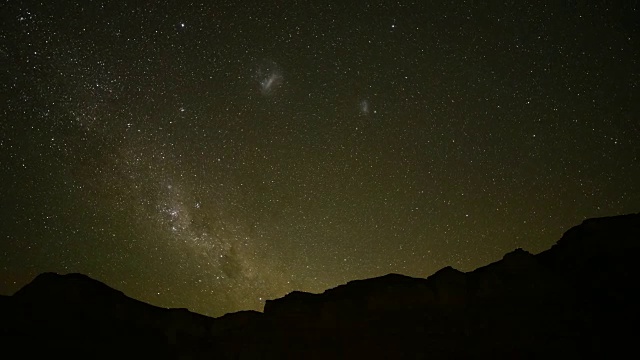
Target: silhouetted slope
(76,315)
(577,299)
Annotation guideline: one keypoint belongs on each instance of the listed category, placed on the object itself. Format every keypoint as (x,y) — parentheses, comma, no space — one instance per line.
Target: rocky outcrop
(578,296)
(577,299)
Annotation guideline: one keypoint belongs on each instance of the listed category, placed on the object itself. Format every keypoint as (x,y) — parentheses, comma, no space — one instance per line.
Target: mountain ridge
(522,305)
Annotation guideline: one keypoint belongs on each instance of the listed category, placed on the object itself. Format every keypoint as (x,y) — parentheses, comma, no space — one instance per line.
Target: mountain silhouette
(578,299)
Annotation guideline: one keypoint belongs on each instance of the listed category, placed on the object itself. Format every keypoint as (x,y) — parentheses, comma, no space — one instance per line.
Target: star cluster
(213,156)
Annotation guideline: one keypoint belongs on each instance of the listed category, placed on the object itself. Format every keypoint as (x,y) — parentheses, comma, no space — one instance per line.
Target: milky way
(214,156)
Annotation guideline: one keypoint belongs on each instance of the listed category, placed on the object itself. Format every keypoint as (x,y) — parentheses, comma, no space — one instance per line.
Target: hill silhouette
(578,299)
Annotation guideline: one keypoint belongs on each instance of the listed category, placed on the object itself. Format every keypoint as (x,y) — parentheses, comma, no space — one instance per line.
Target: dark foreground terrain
(578,299)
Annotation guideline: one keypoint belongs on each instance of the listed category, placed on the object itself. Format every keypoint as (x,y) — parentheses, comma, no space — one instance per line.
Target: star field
(213,156)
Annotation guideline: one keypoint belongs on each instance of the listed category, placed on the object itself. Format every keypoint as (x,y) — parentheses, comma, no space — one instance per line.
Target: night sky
(213,155)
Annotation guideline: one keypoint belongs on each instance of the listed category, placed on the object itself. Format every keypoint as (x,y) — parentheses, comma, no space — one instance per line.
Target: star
(273,151)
